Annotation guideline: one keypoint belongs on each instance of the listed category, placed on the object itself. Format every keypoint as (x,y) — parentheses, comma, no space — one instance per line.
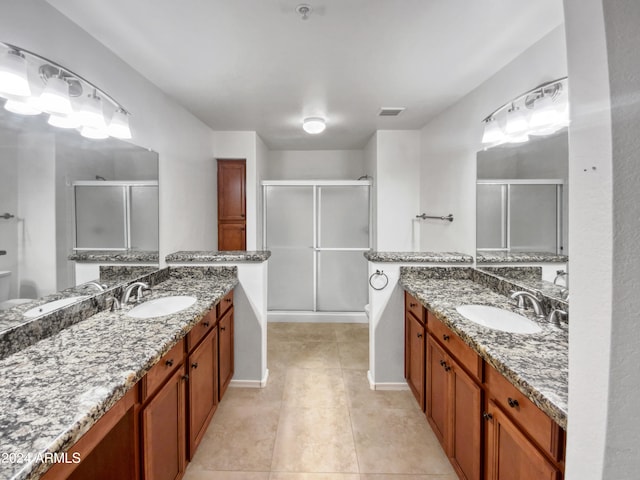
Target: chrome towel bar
(424,216)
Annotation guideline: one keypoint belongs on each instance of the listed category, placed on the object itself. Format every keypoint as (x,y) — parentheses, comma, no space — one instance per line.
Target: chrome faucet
(99,286)
(141,286)
(560,274)
(555,316)
(538,309)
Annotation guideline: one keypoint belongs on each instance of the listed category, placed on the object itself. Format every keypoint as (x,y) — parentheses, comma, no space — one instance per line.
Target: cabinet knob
(413,305)
(194,365)
(223,328)
(445,337)
(442,363)
(228,300)
(206,324)
(447,368)
(185,377)
(513,403)
(419,335)
(487,416)
(169,363)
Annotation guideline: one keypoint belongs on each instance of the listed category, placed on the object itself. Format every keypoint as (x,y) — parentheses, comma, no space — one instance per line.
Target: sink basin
(51,306)
(498,319)
(162,306)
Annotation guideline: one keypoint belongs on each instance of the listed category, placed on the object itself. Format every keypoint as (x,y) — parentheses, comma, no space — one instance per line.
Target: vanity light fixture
(542,110)
(61,87)
(314,125)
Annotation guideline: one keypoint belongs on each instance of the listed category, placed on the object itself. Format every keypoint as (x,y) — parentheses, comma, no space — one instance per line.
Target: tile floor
(317,419)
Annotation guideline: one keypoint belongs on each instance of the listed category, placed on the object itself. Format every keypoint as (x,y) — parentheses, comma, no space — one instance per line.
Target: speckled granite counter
(519,257)
(54,391)
(418,257)
(111,256)
(536,364)
(214,256)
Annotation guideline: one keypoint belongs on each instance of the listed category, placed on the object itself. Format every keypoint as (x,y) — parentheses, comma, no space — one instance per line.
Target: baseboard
(251,383)
(386,385)
(316,317)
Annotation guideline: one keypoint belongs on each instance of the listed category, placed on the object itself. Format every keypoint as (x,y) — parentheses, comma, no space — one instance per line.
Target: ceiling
(256,65)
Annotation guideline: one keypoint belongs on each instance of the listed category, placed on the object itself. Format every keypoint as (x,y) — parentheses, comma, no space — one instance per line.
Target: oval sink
(162,306)
(51,306)
(498,319)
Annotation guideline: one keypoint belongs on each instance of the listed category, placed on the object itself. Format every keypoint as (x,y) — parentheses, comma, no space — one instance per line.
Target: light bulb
(23,106)
(493,134)
(119,126)
(55,98)
(544,114)
(13,74)
(516,121)
(314,125)
(90,113)
(64,121)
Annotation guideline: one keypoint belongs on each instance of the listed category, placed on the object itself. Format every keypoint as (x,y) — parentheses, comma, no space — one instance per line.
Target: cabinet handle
(194,365)
(228,300)
(413,305)
(445,337)
(169,363)
(513,403)
(487,416)
(185,377)
(206,324)
(419,335)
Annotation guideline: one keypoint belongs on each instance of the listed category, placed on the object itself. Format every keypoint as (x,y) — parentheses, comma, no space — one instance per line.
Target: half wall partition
(317,232)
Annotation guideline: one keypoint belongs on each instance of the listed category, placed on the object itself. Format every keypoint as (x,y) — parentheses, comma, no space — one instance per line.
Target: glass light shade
(94,133)
(314,125)
(544,114)
(91,115)
(119,126)
(64,121)
(516,122)
(13,75)
(55,98)
(517,138)
(22,107)
(493,134)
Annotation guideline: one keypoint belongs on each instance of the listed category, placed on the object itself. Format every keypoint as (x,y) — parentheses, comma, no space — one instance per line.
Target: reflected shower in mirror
(53,181)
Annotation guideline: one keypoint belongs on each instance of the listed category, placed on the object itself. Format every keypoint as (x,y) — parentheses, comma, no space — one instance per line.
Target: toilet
(5,284)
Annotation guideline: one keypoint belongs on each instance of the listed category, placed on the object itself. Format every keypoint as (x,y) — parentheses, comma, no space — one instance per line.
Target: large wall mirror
(522,197)
(60,192)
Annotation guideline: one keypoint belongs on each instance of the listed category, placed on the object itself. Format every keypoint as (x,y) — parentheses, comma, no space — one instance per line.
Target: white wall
(262,156)
(604,70)
(397,195)
(371,163)
(184,144)
(315,164)
(449,144)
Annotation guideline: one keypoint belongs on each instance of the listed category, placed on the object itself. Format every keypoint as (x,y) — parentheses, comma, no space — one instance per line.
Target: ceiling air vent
(391,112)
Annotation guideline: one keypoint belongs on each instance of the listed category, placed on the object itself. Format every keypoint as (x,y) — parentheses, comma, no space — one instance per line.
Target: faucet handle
(555,315)
(516,295)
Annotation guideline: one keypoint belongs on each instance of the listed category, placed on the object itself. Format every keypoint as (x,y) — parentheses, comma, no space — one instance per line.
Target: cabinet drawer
(529,417)
(162,370)
(463,353)
(200,330)
(225,303)
(414,306)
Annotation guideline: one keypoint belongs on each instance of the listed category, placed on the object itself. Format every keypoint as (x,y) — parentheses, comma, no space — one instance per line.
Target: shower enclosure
(317,232)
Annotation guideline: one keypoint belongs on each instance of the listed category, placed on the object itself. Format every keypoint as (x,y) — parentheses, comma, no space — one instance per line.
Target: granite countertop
(519,257)
(215,256)
(54,391)
(536,364)
(114,256)
(418,257)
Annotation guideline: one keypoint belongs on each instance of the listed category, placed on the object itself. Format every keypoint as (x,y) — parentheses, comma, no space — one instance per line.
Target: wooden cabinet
(225,351)
(510,454)
(415,334)
(231,205)
(454,407)
(203,387)
(163,430)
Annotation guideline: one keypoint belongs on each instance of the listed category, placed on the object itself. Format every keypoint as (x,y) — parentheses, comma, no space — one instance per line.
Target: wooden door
(163,431)
(225,351)
(437,390)
(231,205)
(203,388)
(466,414)
(510,455)
(415,360)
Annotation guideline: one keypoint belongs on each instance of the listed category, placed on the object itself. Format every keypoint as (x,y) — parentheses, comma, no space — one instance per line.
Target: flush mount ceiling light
(61,85)
(542,110)
(314,125)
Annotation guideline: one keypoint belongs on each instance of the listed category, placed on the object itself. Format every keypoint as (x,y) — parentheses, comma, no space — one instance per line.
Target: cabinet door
(163,431)
(437,390)
(466,413)
(231,236)
(225,351)
(510,455)
(203,388)
(231,190)
(415,359)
